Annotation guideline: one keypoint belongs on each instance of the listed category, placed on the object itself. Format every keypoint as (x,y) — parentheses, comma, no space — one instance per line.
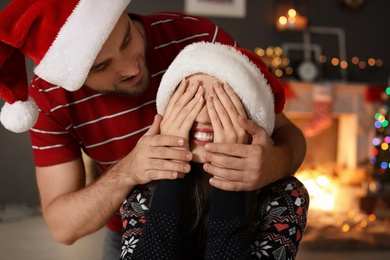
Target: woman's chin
(198,158)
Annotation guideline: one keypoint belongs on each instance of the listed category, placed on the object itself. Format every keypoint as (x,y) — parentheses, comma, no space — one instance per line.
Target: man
(98,70)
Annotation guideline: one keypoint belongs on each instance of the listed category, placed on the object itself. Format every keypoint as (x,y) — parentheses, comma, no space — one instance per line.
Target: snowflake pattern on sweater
(133,219)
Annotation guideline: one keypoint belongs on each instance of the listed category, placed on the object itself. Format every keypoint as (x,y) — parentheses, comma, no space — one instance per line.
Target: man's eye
(100,68)
(127,41)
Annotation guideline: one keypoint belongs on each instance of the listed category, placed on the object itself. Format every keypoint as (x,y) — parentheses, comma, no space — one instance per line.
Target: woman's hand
(182,110)
(224,107)
(239,155)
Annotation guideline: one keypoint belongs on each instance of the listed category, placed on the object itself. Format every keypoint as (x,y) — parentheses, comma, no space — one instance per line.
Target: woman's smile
(202,136)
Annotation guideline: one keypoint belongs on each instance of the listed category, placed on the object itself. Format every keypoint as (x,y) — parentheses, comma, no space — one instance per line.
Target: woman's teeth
(202,136)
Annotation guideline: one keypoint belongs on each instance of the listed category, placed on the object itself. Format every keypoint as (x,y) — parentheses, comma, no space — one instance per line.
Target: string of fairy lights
(380,158)
(280,65)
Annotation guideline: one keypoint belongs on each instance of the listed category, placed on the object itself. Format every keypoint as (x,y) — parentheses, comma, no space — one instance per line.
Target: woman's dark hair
(196,202)
(195,215)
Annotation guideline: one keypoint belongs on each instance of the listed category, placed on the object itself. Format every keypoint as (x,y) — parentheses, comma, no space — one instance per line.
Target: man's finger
(257,132)
(229,185)
(159,140)
(155,127)
(168,165)
(237,150)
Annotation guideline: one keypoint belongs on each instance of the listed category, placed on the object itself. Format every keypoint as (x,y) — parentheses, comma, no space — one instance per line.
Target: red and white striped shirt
(108,126)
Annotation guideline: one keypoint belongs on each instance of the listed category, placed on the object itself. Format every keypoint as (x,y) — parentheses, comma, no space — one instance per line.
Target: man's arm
(289,137)
(73,210)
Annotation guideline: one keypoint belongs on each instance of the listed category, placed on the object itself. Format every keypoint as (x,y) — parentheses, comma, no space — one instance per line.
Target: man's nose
(127,67)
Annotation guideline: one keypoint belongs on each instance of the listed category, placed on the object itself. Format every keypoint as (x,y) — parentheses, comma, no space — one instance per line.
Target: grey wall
(367,30)
(367,35)
(17,176)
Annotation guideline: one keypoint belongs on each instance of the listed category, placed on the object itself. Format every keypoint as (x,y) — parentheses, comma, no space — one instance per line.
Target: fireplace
(332,170)
(347,141)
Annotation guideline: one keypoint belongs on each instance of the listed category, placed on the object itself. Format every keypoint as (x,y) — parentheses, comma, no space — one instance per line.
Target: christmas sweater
(154,231)
(107,126)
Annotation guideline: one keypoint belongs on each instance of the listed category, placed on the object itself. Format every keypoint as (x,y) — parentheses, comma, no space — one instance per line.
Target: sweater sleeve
(161,237)
(228,228)
(281,219)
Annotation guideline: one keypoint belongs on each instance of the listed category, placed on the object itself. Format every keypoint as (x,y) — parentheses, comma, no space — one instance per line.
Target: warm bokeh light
(322,191)
(286,61)
(292,13)
(345,228)
(363,223)
(344,64)
(322,180)
(278,73)
(355,60)
(291,19)
(260,52)
(283,20)
(371,62)
(278,51)
(276,62)
(322,58)
(289,70)
(379,63)
(269,51)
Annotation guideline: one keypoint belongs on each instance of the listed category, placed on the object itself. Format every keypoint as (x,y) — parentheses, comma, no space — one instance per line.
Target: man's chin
(133,91)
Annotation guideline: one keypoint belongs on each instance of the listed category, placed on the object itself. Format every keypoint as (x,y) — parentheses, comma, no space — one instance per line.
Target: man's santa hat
(261,94)
(62,37)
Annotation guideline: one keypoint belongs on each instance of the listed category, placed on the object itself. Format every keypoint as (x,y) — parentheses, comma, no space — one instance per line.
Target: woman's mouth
(202,137)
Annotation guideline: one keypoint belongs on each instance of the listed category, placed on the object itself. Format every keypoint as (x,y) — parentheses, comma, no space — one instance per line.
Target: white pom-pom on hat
(20,116)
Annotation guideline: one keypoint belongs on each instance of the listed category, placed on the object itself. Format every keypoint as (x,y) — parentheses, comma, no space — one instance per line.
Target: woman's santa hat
(62,37)
(261,94)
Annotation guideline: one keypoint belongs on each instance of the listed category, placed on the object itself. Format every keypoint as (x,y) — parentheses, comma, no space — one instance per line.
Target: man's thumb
(155,127)
(257,132)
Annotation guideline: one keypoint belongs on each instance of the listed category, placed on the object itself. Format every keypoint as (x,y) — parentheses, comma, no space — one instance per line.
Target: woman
(190,219)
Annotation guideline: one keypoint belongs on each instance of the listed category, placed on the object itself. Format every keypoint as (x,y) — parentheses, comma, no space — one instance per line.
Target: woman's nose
(203,116)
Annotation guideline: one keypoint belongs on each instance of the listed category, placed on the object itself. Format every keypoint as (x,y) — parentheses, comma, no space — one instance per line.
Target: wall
(17,176)
(366,29)
(367,36)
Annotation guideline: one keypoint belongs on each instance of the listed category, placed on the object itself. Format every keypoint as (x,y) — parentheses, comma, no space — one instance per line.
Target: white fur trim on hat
(71,55)
(20,116)
(228,65)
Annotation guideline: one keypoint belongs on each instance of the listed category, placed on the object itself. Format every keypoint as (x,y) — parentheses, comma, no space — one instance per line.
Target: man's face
(120,66)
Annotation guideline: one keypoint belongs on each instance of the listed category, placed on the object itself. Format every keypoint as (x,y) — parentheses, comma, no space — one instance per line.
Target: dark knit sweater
(162,234)
(274,233)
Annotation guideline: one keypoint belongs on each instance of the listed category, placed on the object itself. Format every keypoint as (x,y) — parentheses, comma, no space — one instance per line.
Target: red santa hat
(261,94)
(63,38)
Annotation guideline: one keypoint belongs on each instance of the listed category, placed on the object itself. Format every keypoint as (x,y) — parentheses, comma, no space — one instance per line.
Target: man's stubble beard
(140,88)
